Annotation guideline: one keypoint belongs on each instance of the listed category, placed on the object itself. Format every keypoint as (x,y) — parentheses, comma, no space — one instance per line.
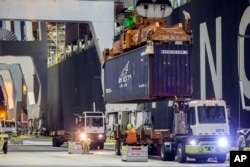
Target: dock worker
(241,142)
(130,136)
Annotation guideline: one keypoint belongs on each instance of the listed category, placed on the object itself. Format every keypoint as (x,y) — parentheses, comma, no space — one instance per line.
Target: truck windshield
(94,121)
(7,125)
(211,114)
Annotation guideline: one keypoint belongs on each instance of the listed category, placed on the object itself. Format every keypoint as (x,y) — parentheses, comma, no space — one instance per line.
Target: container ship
(218,66)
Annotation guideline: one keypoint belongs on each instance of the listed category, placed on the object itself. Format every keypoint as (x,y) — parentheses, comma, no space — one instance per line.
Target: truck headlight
(223,142)
(83,136)
(100,136)
(192,142)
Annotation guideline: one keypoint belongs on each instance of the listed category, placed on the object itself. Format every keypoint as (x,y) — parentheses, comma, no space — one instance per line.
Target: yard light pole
(93,93)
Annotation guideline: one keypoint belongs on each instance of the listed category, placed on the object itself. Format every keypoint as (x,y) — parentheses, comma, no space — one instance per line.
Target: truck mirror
(109,128)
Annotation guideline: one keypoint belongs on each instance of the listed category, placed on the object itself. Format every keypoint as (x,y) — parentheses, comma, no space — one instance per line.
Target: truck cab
(202,130)
(91,125)
(8,127)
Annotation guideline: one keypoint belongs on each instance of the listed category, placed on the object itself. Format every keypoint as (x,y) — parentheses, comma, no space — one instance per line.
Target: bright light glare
(83,136)
(100,136)
(223,142)
(192,142)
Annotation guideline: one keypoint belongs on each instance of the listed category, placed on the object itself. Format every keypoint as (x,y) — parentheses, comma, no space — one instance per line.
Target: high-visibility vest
(241,141)
(131,136)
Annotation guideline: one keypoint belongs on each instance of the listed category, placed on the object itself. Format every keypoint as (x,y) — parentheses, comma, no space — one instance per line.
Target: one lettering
(245,89)
(216,71)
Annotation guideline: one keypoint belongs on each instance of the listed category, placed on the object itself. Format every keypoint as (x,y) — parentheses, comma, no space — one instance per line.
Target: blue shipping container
(136,76)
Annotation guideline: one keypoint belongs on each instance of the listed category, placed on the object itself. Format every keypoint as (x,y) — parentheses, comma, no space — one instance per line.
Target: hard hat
(129,126)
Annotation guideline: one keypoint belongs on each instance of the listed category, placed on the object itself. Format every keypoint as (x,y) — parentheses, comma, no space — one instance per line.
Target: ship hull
(219,60)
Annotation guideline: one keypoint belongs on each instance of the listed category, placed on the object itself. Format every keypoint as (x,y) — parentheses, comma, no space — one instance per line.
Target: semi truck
(177,129)
(8,126)
(88,124)
(150,65)
(91,125)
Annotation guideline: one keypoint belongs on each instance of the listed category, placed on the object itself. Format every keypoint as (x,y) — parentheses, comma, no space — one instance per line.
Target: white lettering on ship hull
(245,87)
(216,66)
(216,72)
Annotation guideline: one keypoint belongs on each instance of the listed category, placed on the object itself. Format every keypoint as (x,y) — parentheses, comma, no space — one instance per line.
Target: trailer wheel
(101,146)
(181,154)
(152,149)
(60,144)
(166,156)
(94,146)
(5,148)
(199,160)
(221,158)
(118,147)
(56,142)
(53,143)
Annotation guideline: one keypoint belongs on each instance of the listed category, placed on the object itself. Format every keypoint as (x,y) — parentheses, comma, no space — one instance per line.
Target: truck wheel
(118,147)
(166,156)
(59,144)
(53,143)
(5,148)
(56,143)
(201,160)
(221,158)
(94,146)
(163,153)
(101,146)
(152,150)
(181,154)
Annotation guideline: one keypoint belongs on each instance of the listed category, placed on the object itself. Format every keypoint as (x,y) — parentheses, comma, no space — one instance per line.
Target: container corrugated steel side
(136,76)
(161,113)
